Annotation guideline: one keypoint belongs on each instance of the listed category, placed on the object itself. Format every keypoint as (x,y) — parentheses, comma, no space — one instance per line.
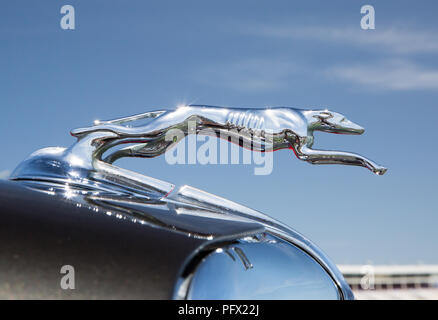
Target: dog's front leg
(337,157)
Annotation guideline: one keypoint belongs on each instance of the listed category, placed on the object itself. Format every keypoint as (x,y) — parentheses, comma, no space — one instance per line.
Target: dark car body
(114,257)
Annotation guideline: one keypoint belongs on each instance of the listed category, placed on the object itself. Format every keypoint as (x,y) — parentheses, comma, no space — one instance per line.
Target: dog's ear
(324,115)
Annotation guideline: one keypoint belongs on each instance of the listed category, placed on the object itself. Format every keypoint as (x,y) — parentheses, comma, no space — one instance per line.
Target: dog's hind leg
(337,157)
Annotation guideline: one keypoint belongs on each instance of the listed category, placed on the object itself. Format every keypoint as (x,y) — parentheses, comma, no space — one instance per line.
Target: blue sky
(130,57)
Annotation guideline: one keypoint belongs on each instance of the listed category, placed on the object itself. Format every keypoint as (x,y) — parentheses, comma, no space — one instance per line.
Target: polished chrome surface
(260,267)
(258,129)
(84,173)
(87,164)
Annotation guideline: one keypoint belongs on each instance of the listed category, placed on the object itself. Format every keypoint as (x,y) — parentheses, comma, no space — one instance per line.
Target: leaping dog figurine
(260,129)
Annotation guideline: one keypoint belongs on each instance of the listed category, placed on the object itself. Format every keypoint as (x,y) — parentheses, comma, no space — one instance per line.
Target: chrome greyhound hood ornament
(259,129)
(84,173)
(266,129)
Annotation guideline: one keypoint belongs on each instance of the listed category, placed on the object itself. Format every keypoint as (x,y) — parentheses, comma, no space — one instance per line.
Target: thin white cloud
(395,73)
(264,75)
(4,174)
(398,72)
(392,40)
(249,75)
(392,75)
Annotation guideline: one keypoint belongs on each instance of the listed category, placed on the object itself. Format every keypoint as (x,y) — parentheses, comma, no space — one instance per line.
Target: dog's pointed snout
(357,129)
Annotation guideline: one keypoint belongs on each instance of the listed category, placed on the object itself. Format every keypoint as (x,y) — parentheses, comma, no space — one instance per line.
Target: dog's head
(333,122)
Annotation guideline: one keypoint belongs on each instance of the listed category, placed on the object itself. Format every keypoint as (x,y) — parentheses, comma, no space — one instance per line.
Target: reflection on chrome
(278,271)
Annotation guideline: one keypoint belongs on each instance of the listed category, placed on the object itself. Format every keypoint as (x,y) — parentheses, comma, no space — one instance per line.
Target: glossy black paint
(113,258)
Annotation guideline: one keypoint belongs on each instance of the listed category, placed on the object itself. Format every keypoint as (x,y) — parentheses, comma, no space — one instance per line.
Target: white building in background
(392,281)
